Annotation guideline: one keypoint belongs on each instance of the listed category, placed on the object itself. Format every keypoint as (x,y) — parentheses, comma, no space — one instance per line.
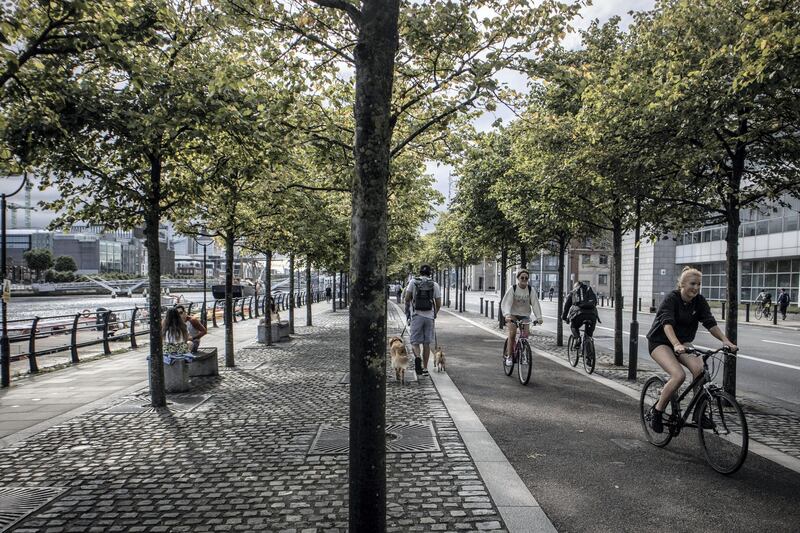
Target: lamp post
(5,347)
(204,241)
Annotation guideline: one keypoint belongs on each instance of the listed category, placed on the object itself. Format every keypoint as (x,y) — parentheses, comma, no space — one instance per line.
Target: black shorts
(651,345)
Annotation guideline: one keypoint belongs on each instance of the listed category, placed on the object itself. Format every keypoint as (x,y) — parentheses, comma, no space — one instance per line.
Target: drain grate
(16,503)
(409,437)
(182,403)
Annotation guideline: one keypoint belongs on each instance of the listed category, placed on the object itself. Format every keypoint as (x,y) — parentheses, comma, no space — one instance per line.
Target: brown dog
(399,358)
(438,359)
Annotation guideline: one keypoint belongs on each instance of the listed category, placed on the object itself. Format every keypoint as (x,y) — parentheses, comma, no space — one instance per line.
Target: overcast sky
(602,10)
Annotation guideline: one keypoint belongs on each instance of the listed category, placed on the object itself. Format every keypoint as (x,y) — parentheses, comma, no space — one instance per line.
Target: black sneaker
(656,423)
(418,365)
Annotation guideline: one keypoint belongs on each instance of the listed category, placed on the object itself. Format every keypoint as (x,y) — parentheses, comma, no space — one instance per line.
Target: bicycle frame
(522,333)
(701,385)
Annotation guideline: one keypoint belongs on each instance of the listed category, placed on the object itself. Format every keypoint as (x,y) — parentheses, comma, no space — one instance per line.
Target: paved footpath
(253,449)
(577,444)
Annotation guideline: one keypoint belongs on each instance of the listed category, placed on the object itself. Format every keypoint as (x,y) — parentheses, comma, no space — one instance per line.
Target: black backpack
(423,294)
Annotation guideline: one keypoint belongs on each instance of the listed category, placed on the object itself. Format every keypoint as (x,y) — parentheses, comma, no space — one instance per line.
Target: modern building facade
(769,256)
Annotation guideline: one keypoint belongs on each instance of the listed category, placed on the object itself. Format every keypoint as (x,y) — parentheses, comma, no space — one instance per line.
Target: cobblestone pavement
(770,424)
(240,461)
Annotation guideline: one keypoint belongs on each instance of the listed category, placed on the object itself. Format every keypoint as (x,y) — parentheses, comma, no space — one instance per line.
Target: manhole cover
(16,503)
(629,444)
(400,438)
(182,403)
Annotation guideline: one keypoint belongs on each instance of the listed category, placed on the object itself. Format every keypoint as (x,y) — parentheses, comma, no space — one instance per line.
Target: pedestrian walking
(783,302)
(423,301)
(552,290)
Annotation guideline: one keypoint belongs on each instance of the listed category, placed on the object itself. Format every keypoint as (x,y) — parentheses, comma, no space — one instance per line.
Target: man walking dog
(424,298)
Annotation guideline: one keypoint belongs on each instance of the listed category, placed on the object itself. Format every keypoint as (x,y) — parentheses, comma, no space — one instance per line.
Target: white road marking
(784,343)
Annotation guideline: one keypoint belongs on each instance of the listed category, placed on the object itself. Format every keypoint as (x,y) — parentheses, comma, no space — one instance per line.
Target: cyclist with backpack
(580,306)
(423,300)
(519,303)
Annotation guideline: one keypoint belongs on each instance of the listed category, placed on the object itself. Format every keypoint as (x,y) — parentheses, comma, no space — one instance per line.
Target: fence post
(723,310)
(106,345)
(747,312)
(34,368)
(242,307)
(74,340)
(250,308)
(189,311)
(214,313)
(133,327)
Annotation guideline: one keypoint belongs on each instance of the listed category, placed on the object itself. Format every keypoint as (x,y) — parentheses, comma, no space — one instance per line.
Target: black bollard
(653,305)
(492,304)
(481,305)
(640,305)
(723,310)
(747,312)
(774,309)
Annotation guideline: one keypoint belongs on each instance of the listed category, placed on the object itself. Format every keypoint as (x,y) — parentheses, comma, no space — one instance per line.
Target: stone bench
(280,332)
(176,375)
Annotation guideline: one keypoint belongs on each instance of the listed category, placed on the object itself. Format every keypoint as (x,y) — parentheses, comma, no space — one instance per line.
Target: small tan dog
(438,359)
(399,358)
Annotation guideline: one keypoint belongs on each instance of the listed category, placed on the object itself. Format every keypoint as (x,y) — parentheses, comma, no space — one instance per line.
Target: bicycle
(522,356)
(764,311)
(720,421)
(586,349)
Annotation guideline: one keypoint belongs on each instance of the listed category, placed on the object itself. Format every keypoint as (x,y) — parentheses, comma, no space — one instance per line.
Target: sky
(601,9)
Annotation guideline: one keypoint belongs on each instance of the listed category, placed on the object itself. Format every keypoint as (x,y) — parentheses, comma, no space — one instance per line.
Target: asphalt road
(768,366)
(580,449)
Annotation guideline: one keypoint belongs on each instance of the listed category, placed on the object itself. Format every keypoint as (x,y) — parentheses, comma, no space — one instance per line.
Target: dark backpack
(514,288)
(423,294)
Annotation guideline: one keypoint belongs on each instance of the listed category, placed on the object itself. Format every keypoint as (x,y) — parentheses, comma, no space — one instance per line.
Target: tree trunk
(152,219)
(268,285)
(732,205)
(562,251)
(374,59)
(309,294)
(503,282)
(617,238)
(292,301)
(523,257)
(229,357)
(333,291)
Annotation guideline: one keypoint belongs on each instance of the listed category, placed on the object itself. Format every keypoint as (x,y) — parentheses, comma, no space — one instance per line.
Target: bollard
(774,309)
(653,305)
(747,312)
(74,339)
(640,305)
(486,309)
(492,304)
(133,325)
(214,313)
(611,300)
(34,368)
(481,305)
(106,345)
(723,310)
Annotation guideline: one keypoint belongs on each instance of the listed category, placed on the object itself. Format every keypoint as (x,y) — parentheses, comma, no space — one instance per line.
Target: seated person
(174,333)
(194,328)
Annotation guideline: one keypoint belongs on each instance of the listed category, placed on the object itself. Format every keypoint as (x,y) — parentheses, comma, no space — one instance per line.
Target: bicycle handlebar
(708,353)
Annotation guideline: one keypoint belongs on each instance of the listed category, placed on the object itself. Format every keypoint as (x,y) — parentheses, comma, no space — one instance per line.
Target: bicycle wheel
(650,394)
(722,429)
(759,312)
(508,365)
(524,362)
(572,353)
(767,311)
(588,354)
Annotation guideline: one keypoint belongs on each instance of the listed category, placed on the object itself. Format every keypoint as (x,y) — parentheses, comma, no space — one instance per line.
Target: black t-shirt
(684,317)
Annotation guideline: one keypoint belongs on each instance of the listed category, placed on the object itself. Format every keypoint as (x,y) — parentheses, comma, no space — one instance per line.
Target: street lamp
(5,346)
(204,241)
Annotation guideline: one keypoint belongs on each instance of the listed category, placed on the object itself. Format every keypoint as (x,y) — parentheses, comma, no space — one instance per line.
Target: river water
(47,306)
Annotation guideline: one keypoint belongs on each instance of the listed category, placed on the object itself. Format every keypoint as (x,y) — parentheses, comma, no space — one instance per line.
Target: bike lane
(580,449)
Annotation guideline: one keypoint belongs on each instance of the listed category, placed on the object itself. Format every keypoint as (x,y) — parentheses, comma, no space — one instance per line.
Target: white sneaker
(509,360)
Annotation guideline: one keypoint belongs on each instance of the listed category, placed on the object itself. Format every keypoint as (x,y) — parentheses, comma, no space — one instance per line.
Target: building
(589,260)
(769,256)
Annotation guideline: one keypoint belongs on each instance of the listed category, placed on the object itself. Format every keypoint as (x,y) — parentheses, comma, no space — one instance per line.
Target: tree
(38,259)
(725,77)
(65,263)
(111,124)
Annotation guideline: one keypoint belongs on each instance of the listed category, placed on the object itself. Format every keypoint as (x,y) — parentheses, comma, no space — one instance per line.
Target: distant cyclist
(519,303)
(580,307)
(764,299)
(675,325)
